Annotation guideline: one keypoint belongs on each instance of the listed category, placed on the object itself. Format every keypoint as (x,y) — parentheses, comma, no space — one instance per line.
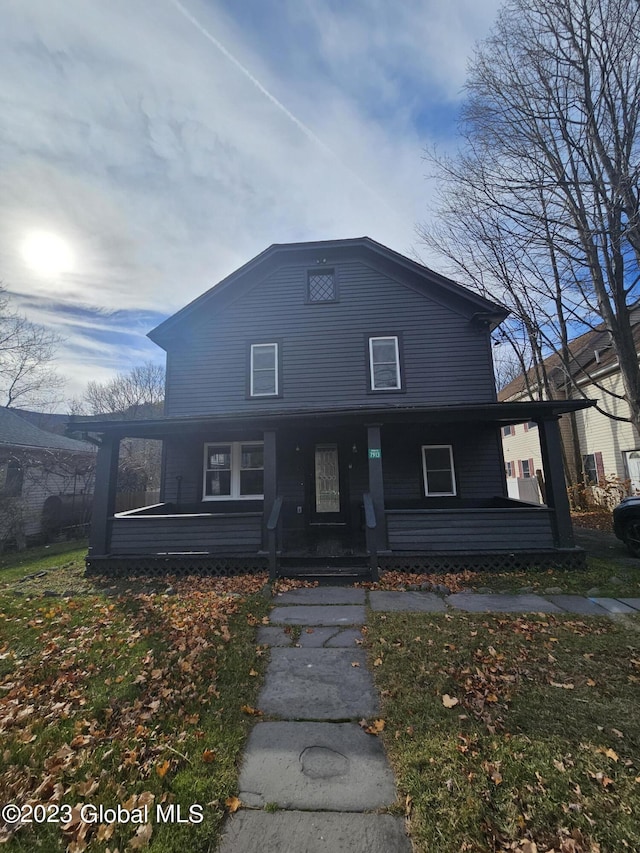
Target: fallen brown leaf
(161,769)
(253,712)
(142,837)
(233,804)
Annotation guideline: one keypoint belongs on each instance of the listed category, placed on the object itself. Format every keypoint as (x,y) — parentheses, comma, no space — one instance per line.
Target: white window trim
(425,479)
(394,338)
(236,458)
(277,378)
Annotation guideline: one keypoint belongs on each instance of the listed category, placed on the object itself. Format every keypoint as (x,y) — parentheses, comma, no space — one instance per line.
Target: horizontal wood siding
(445,357)
(470,530)
(222,534)
(477,460)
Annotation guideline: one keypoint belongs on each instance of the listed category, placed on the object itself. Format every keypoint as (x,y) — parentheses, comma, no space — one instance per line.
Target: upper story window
(508,430)
(264,370)
(384,364)
(233,470)
(437,470)
(321,286)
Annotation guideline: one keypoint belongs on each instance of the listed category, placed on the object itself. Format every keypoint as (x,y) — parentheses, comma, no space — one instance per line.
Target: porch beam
(556,487)
(376,484)
(104,496)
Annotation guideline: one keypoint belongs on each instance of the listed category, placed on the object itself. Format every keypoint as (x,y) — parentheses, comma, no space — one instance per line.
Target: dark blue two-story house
(331,406)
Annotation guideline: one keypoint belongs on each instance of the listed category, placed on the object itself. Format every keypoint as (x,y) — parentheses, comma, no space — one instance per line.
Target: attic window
(321,286)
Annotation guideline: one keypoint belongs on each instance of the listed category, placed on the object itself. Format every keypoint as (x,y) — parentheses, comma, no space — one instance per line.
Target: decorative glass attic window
(321,286)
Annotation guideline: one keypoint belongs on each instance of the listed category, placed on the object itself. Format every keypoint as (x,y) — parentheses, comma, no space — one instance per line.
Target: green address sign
(375,453)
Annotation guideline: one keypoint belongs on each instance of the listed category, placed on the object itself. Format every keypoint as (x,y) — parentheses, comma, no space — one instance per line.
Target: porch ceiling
(496,413)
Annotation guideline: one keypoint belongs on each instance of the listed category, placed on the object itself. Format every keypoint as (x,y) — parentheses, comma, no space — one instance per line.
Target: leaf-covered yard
(506,732)
(512,733)
(126,694)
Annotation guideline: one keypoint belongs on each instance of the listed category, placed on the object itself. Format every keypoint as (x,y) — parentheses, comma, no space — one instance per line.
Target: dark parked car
(626,524)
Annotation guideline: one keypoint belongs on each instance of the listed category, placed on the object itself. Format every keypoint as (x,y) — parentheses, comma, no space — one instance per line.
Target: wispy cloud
(168,141)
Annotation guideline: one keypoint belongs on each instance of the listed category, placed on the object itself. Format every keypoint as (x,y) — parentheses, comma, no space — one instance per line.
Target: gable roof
(277,254)
(590,352)
(18,432)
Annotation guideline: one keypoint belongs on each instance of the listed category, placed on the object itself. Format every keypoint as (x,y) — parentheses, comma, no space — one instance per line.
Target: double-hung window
(590,465)
(437,470)
(263,369)
(384,364)
(233,470)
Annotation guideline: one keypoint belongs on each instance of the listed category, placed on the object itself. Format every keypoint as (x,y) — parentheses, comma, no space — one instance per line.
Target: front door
(328,501)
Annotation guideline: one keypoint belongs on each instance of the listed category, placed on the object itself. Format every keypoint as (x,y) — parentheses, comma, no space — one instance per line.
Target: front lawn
(601,577)
(512,732)
(134,694)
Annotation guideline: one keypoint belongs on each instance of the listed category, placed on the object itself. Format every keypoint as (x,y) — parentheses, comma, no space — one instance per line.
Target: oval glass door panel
(327,478)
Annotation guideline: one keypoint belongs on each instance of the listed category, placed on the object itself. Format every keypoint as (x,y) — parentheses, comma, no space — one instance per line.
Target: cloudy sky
(150,147)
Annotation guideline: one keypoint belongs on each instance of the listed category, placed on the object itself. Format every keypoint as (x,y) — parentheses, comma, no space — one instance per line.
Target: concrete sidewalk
(312,780)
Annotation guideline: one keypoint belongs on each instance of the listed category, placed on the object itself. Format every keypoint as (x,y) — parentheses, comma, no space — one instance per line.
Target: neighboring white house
(46,479)
(608,449)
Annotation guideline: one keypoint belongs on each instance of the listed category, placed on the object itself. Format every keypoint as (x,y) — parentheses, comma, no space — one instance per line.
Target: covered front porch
(344,492)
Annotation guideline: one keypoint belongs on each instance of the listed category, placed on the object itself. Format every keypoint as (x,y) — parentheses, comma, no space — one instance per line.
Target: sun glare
(47,254)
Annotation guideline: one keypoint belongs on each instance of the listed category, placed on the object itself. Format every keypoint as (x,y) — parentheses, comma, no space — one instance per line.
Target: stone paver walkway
(312,779)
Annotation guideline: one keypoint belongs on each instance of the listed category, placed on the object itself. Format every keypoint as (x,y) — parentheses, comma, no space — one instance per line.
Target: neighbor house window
(233,470)
(264,370)
(526,467)
(437,470)
(530,425)
(593,468)
(384,364)
(510,468)
(10,479)
(321,286)
(508,430)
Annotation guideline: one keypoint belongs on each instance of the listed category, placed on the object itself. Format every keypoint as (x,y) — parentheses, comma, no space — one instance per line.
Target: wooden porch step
(326,576)
(346,569)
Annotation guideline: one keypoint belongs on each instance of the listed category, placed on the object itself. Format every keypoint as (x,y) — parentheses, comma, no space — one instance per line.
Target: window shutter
(526,427)
(520,468)
(599,465)
(513,429)
(513,469)
(532,473)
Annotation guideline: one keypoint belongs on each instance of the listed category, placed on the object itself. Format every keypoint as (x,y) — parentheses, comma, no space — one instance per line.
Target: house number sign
(375,453)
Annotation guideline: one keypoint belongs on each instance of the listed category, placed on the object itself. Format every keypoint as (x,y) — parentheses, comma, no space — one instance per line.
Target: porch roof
(500,414)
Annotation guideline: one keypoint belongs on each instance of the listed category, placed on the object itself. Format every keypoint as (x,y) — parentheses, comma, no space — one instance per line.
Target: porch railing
(273,526)
(473,529)
(156,532)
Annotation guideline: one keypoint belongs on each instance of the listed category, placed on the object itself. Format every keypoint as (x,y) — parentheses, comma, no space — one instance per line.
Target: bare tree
(27,351)
(139,393)
(135,394)
(541,208)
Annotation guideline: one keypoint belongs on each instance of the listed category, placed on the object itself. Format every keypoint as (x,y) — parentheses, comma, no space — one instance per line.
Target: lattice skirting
(177,565)
(574,558)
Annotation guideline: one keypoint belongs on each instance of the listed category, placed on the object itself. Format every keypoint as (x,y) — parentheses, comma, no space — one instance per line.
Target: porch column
(104,496)
(270,478)
(557,499)
(376,484)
